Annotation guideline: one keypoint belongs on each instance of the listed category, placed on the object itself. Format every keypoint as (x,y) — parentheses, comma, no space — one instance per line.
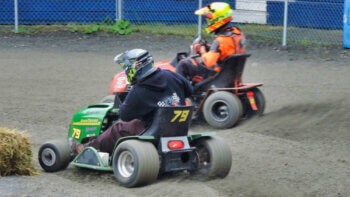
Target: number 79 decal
(183,114)
(76,133)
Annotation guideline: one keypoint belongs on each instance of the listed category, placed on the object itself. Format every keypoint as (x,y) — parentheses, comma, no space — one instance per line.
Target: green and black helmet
(137,64)
(217,14)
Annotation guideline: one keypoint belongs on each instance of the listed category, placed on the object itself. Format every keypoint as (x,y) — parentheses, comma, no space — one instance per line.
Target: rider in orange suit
(228,40)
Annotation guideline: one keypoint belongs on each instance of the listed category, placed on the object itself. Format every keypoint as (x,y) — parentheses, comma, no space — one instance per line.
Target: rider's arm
(212,56)
(183,86)
(186,85)
(134,106)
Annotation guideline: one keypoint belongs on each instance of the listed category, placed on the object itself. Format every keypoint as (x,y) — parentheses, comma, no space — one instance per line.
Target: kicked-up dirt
(300,147)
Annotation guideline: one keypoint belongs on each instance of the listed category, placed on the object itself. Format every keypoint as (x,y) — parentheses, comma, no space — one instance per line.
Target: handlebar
(195,55)
(117,101)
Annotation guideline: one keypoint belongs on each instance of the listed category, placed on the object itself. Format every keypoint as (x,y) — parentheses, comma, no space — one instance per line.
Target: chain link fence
(34,12)
(308,21)
(252,17)
(172,17)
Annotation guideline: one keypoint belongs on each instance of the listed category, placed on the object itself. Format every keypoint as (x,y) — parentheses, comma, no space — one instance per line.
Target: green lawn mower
(164,147)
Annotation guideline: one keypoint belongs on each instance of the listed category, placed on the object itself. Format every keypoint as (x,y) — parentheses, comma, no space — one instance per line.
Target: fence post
(199,20)
(16,15)
(118,10)
(285,23)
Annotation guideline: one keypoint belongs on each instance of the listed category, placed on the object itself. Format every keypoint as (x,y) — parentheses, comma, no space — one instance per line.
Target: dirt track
(300,147)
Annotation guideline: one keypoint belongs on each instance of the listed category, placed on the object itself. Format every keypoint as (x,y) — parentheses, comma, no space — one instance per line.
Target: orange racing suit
(228,42)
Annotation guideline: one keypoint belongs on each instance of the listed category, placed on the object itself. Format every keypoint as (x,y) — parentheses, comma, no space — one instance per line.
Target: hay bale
(15,153)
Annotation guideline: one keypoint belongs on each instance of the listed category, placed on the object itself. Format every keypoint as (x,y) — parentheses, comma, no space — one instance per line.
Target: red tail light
(250,94)
(175,144)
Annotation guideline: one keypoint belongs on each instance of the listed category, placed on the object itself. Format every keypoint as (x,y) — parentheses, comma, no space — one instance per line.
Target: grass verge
(296,35)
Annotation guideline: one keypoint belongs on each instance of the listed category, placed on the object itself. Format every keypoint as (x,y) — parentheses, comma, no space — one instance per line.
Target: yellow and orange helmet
(217,15)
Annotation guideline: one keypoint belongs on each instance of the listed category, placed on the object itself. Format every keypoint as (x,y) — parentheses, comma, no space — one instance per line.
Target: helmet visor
(119,58)
(125,63)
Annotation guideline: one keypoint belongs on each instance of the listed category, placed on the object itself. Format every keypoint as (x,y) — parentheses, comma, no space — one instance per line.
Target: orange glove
(199,49)
(197,79)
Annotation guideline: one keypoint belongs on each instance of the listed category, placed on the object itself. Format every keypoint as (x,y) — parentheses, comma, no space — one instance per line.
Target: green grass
(34,29)
(299,36)
(6,28)
(186,30)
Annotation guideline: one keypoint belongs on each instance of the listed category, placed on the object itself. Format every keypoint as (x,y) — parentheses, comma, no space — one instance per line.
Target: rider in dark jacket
(152,88)
(162,88)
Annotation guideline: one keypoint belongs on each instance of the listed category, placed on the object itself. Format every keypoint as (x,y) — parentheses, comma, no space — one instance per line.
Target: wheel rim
(219,110)
(48,157)
(126,164)
(203,157)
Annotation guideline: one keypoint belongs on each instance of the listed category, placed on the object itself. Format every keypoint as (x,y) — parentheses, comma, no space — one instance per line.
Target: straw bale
(15,153)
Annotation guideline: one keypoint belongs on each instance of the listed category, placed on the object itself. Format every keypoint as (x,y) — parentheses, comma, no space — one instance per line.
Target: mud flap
(91,158)
(251,99)
(200,135)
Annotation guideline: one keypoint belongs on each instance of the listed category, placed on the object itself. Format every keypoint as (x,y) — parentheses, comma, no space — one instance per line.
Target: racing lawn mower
(138,160)
(223,99)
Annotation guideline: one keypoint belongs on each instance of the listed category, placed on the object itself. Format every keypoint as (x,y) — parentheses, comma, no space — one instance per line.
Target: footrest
(92,159)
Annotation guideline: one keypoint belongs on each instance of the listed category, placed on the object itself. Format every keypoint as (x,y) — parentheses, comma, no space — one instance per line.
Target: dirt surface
(300,147)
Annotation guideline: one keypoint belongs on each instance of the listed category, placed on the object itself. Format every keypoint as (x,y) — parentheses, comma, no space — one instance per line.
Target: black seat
(232,69)
(178,58)
(170,122)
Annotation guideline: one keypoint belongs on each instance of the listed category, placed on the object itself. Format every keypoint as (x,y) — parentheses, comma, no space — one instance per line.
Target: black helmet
(137,63)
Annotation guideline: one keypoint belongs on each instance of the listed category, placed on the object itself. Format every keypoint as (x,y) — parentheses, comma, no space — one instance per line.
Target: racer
(152,88)
(228,40)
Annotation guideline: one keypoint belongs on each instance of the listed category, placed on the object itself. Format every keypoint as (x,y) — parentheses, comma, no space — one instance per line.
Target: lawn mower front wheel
(54,155)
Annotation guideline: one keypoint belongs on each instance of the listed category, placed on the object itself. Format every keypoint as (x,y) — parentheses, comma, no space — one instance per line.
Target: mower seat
(170,122)
(232,69)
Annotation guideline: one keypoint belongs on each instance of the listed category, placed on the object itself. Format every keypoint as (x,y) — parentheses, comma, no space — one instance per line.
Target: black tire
(54,155)
(108,99)
(136,163)
(222,109)
(214,157)
(260,103)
